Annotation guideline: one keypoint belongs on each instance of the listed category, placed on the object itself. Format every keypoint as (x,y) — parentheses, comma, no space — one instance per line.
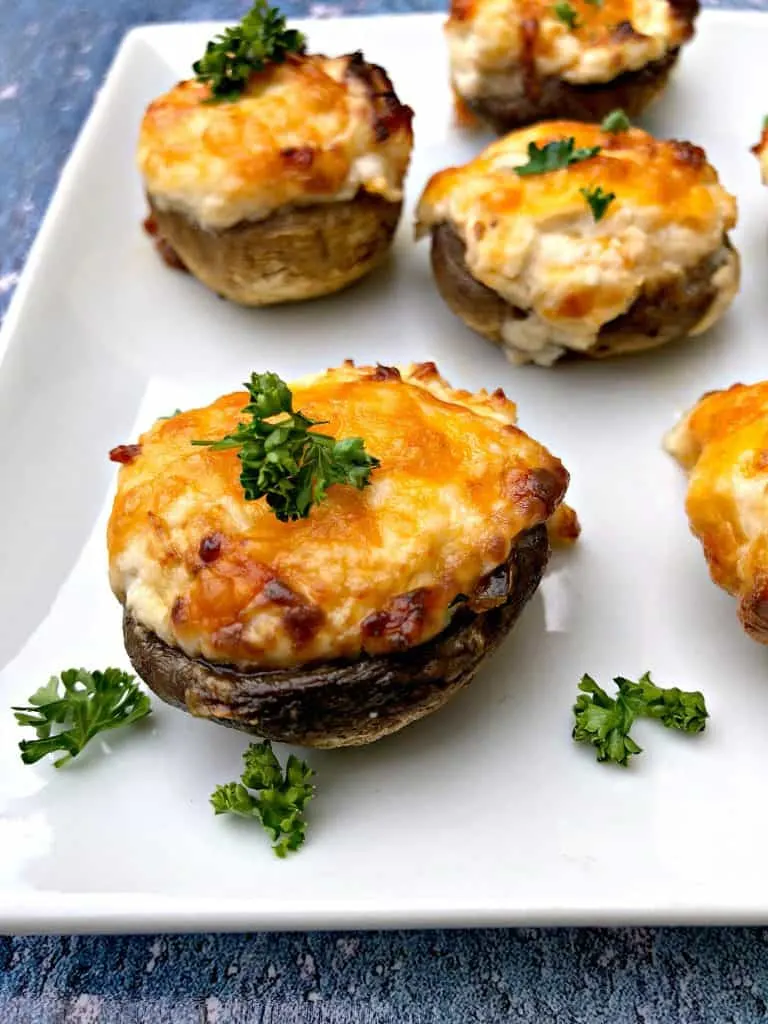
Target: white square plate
(485,812)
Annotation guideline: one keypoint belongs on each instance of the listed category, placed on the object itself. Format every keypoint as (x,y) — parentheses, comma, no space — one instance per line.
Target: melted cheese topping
(723,443)
(313,129)
(369,571)
(495,45)
(535,242)
(761,152)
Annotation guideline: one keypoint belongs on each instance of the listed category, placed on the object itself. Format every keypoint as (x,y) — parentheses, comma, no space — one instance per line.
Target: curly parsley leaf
(275,798)
(598,200)
(616,122)
(283,460)
(230,59)
(554,156)
(605,722)
(675,708)
(566,14)
(67,713)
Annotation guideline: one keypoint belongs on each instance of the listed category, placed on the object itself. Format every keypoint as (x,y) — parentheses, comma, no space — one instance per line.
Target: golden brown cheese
(369,571)
(723,443)
(534,239)
(312,129)
(761,152)
(494,44)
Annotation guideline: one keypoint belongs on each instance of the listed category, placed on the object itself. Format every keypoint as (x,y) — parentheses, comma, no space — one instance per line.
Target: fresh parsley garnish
(566,14)
(615,122)
(554,156)
(598,200)
(67,713)
(605,721)
(277,801)
(765,123)
(230,59)
(170,416)
(283,460)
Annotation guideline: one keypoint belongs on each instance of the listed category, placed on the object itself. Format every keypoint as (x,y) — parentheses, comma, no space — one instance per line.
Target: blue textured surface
(53,55)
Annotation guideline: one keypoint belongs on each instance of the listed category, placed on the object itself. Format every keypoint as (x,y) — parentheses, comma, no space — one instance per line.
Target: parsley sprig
(230,59)
(567,14)
(598,200)
(616,122)
(605,722)
(554,156)
(279,800)
(283,460)
(67,713)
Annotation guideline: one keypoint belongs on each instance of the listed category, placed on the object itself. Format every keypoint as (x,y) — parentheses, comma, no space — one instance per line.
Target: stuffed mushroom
(514,63)
(567,238)
(343,621)
(723,444)
(285,186)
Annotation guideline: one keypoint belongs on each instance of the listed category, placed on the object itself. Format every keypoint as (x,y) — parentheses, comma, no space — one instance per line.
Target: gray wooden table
(53,54)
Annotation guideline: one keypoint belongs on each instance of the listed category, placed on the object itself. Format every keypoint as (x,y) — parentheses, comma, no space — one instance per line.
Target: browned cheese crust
(338,704)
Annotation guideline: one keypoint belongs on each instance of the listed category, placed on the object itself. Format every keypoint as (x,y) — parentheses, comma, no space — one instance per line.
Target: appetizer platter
(374,386)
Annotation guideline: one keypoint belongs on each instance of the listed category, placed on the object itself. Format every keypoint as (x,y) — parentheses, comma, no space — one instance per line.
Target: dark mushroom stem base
(551,98)
(662,313)
(336,704)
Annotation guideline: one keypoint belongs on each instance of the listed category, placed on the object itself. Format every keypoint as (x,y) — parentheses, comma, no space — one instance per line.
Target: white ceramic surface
(485,812)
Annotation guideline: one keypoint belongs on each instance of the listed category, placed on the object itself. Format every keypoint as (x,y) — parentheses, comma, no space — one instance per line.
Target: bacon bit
(180,611)
(500,394)
(462,10)
(399,626)
(165,251)
(389,114)
(125,454)
(538,491)
(301,618)
(529,37)
(227,636)
(563,527)
(753,609)
(687,10)
(300,157)
(687,153)
(279,593)
(302,623)
(760,461)
(626,30)
(385,373)
(210,547)
(463,114)
(396,115)
(425,371)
